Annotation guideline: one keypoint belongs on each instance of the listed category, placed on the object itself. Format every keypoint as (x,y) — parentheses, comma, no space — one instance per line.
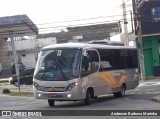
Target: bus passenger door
(89,71)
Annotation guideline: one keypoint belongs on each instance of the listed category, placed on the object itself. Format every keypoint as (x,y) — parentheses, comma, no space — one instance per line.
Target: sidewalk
(156,98)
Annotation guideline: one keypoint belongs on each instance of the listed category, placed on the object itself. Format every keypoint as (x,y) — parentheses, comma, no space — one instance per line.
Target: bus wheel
(121,93)
(87,100)
(51,102)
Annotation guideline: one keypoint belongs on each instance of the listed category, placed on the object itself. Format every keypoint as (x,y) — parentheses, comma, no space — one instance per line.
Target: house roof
(19,25)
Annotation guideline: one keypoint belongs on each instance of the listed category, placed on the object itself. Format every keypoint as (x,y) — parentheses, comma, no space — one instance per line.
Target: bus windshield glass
(60,64)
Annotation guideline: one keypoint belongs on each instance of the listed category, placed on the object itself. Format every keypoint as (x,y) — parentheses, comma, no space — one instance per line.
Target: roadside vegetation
(28,93)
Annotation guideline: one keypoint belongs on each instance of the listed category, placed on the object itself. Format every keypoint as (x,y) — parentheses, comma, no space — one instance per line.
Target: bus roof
(84,46)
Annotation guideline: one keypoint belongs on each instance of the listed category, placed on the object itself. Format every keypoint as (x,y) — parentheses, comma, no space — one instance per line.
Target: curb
(156,98)
(4,80)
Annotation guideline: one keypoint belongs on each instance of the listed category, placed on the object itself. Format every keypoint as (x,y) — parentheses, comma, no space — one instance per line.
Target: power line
(77,25)
(91,18)
(86,32)
(59,28)
(99,17)
(85,24)
(80,32)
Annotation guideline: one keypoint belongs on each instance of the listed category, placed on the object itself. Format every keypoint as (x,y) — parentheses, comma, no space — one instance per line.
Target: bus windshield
(58,64)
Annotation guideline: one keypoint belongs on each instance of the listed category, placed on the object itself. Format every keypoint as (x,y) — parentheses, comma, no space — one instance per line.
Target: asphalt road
(137,99)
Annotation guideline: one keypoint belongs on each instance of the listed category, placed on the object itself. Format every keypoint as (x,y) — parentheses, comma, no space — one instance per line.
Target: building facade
(150,23)
(4,57)
(85,33)
(27,50)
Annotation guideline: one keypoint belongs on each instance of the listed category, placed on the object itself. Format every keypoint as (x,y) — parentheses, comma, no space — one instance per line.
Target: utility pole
(131,21)
(140,42)
(15,60)
(125,24)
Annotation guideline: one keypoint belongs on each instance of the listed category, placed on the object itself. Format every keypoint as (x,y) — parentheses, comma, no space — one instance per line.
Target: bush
(6,91)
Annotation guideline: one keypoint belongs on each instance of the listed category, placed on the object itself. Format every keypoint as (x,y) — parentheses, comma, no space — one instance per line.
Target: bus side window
(105,65)
(106,62)
(90,62)
(95,63)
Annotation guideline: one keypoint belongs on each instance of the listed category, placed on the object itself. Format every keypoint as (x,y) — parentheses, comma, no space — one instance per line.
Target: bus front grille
(53,89)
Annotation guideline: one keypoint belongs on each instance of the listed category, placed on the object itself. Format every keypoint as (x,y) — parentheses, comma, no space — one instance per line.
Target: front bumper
(59,96)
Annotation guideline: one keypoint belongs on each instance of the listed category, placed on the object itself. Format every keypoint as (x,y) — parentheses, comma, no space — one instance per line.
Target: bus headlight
(37,86)
(69,95)
(70,86)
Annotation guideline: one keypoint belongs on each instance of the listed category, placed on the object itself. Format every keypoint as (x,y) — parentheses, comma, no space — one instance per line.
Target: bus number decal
(59,52)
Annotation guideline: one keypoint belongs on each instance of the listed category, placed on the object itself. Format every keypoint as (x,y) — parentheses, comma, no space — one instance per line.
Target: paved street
(137,99)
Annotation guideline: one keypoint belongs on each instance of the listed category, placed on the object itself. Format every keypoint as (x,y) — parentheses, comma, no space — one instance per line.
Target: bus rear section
(110,70)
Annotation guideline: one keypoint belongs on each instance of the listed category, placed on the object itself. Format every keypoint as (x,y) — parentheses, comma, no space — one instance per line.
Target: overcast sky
(51,11)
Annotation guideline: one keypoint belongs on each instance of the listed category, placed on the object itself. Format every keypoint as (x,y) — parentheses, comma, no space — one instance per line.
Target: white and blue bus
(77,71)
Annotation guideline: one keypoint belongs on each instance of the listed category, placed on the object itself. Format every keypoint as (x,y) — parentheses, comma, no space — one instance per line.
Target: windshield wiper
(44,73)
(64,76)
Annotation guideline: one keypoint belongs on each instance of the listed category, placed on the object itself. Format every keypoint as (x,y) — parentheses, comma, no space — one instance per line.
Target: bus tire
(51,102)
(87,100)
(121,93)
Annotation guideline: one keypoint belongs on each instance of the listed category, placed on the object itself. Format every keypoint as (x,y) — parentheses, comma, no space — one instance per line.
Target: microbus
(79,71)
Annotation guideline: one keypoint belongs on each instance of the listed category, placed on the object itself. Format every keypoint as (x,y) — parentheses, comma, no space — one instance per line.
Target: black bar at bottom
(79,112)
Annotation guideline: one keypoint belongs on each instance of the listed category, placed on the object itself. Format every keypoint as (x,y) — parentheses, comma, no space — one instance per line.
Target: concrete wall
(29,60)
(4,57)
(27,50)
(33,44)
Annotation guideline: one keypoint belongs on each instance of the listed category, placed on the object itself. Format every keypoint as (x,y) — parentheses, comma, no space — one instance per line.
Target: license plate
(52,95)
